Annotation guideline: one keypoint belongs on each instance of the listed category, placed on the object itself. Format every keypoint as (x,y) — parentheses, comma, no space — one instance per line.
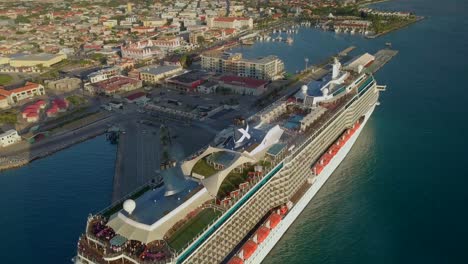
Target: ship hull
(276,234)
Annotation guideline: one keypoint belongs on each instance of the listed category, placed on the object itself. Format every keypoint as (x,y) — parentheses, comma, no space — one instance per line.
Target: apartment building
(266,68)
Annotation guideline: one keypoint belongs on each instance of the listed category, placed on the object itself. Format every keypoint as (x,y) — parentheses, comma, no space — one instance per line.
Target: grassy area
(5,79)
(203,168)
(232,181)
(8,118)
(79,122)
(192,228)
(76,100)
(385,24)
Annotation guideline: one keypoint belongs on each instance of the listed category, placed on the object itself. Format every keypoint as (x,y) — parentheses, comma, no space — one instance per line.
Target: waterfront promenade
(23,153)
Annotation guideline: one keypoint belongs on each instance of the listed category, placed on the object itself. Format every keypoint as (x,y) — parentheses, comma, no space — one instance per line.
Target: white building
(103,74)
(14,96)
(9,137)
(110,23)
(230,22)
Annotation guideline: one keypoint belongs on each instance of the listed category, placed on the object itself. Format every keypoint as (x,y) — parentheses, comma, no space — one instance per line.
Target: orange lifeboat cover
(236,260)
(283,210)
(249,248)
(262,234)
(274,220)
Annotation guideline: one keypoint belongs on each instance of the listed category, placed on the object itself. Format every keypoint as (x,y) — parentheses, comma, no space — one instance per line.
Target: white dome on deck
(129,205)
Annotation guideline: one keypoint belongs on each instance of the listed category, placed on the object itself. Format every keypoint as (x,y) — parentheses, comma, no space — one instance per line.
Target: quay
(138,157)
(381,58)
(24,153)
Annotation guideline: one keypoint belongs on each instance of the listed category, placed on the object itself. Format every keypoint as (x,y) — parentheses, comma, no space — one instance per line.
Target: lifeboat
(248,249)
(334,149)
(341,143)
(318,169)
(262,234)
(283,210)
(236,260)
(274,220)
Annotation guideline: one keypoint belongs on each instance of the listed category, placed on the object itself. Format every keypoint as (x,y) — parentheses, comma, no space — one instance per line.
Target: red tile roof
(229,19)
(115,83)
(135,96)
(243,81)
(28,86)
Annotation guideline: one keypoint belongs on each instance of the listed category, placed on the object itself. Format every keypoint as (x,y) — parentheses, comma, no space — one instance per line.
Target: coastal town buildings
(9,137)
(188,81)
(154,22)
(230,22)
(267,68)
(243,85)
(16,95)
(141,50)
(115,84)
(103,74)
(64,85)
(29,60)
(153,74)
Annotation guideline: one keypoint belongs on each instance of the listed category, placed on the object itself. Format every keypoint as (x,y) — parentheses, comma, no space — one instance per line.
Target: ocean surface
(400,196)
(46,203)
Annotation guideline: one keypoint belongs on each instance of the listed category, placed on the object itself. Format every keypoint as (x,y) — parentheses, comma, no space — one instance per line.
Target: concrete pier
(381,58)
(138,157)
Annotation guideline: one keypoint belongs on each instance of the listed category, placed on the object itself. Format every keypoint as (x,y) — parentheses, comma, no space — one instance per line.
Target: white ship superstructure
(246,188)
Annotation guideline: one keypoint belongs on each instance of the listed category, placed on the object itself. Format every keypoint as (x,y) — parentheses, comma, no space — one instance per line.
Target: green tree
(22,19)
(201,40)
(185,61)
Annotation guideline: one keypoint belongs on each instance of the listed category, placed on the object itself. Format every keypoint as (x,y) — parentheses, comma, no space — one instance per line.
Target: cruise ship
(240,193)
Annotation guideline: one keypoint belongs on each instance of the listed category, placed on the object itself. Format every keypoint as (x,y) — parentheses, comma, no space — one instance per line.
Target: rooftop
(156,70)
(34,57)
(243,81)
(230,19)
(190,77)
(8,91)
(114,83)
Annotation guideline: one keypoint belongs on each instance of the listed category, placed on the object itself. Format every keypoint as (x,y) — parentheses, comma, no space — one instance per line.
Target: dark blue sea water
(400,196)
(44,205)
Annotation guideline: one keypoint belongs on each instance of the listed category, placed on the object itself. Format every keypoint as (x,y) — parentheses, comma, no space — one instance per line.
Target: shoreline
(418,19)
(17,162)
(373,2)
(24,157)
